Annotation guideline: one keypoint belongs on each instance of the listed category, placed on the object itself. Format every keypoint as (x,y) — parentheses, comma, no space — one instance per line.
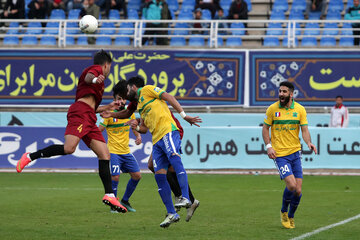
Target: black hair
(120,89)
(137,81)
(288,85)
(102,57)
(339,96)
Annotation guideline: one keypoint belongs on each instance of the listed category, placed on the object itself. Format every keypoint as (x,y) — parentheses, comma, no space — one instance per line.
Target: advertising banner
(50,77)
(318,76)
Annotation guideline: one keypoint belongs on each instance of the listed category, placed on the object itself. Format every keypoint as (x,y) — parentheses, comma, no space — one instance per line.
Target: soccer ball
(88,24)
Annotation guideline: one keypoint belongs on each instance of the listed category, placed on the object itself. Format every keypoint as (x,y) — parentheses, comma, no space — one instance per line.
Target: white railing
(290,29)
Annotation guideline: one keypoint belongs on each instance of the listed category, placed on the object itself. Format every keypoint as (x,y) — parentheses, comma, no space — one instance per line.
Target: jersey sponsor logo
(79,128)
(277,114)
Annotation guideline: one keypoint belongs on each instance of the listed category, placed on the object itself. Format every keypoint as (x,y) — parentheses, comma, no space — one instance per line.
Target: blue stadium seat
(309,42)
(333,15)
(274,29)
(133,15)
(286,42)
(82,40)
(185,16)
(277,15)
(70,41)
(74,14)
(177,42)
(188,4)
(233,42)
(312,29)
(337,5)
(206,14)
(330,29)
(29,40)
(134,4)
(346,42)
(181,29)
(328,42)
(249,5)
(126,28)
(220,42)
(237,28)
(297,29)
(57,14)
(281,5)
(314,15)
(296,15)
(114,14)
(13,28)
(122,41)
(346,29)
(173,5)
(271,42)
(52,28)
(103,40)
(34,28)
(72,28)
(298,5)
(48,40)
(198,41)
(107,28)
(11,40)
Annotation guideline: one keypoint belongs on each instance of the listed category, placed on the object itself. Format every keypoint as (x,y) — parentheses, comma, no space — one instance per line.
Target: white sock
(110,194)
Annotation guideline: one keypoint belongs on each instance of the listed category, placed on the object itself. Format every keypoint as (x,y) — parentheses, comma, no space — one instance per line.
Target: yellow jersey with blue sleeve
(155,112)
(285,126)
(118,134)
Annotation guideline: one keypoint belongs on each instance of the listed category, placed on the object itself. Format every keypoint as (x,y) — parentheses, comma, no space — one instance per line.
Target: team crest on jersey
(157,89)
(295,114)
(277,114)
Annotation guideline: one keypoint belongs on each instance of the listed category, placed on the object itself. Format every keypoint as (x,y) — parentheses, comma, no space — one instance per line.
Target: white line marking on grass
(326,228)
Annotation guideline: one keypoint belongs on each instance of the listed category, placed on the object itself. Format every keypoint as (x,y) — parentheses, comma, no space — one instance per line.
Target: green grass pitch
(68,206)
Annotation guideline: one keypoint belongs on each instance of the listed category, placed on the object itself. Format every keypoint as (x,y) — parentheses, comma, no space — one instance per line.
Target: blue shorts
(124,162)
(289,165)
(164,148)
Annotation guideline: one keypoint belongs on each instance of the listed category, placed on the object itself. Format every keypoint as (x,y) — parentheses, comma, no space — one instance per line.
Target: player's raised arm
(176,105)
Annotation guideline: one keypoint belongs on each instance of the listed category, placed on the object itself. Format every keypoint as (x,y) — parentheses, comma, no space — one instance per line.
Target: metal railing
(292,30)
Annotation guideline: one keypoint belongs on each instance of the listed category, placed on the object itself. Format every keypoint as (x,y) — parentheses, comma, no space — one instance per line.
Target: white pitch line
(326,228)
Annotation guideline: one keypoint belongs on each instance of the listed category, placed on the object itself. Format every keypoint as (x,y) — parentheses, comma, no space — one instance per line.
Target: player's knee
(115,178)
(291,187)
(136,176)
(69,149)
(298,191)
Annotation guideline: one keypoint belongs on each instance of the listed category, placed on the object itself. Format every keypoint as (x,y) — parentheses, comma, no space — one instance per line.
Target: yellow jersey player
(286,117)
(120,156)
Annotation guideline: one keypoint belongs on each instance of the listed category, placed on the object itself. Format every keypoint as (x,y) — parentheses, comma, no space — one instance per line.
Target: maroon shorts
(82,123)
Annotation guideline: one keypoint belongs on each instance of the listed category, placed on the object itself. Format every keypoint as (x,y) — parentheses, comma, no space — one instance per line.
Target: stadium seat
(34,28)
(122,41)
(70,41)
(181,29)
(134,4)
(297,29)
(188,4)
(309,42)
(126,28)
(82,40)
(13,28)
(237,28)
(286,42)
(333,15)
(48,40)
(177,42)
(11,40)
(103,40)
(133,15)
(274,29)
(57,14)
(330,29)
(328,42)
(312,29)
(346,42)
(185,16)
(346,29)
(298,5)
(296,15)
(107,28)
(233,42)
(281,5)
(249,5)
(206,14)
(29,40)
(337,5)
(114,14)
(220,42)
(271,42)
(277,15)
(173,5)
(72,28)
(74,14)
(197,41)
(314,15)
(52,28)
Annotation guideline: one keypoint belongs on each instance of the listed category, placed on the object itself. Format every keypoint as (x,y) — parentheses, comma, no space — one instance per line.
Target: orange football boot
(114,204)
(24,160)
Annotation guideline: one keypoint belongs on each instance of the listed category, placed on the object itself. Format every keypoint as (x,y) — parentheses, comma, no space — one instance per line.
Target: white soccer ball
(88,24)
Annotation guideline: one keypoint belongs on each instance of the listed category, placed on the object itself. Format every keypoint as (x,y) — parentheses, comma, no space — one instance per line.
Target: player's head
(339,100)
(119,93)
(356,3)
(104,59)
(286,92)
(133,84)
